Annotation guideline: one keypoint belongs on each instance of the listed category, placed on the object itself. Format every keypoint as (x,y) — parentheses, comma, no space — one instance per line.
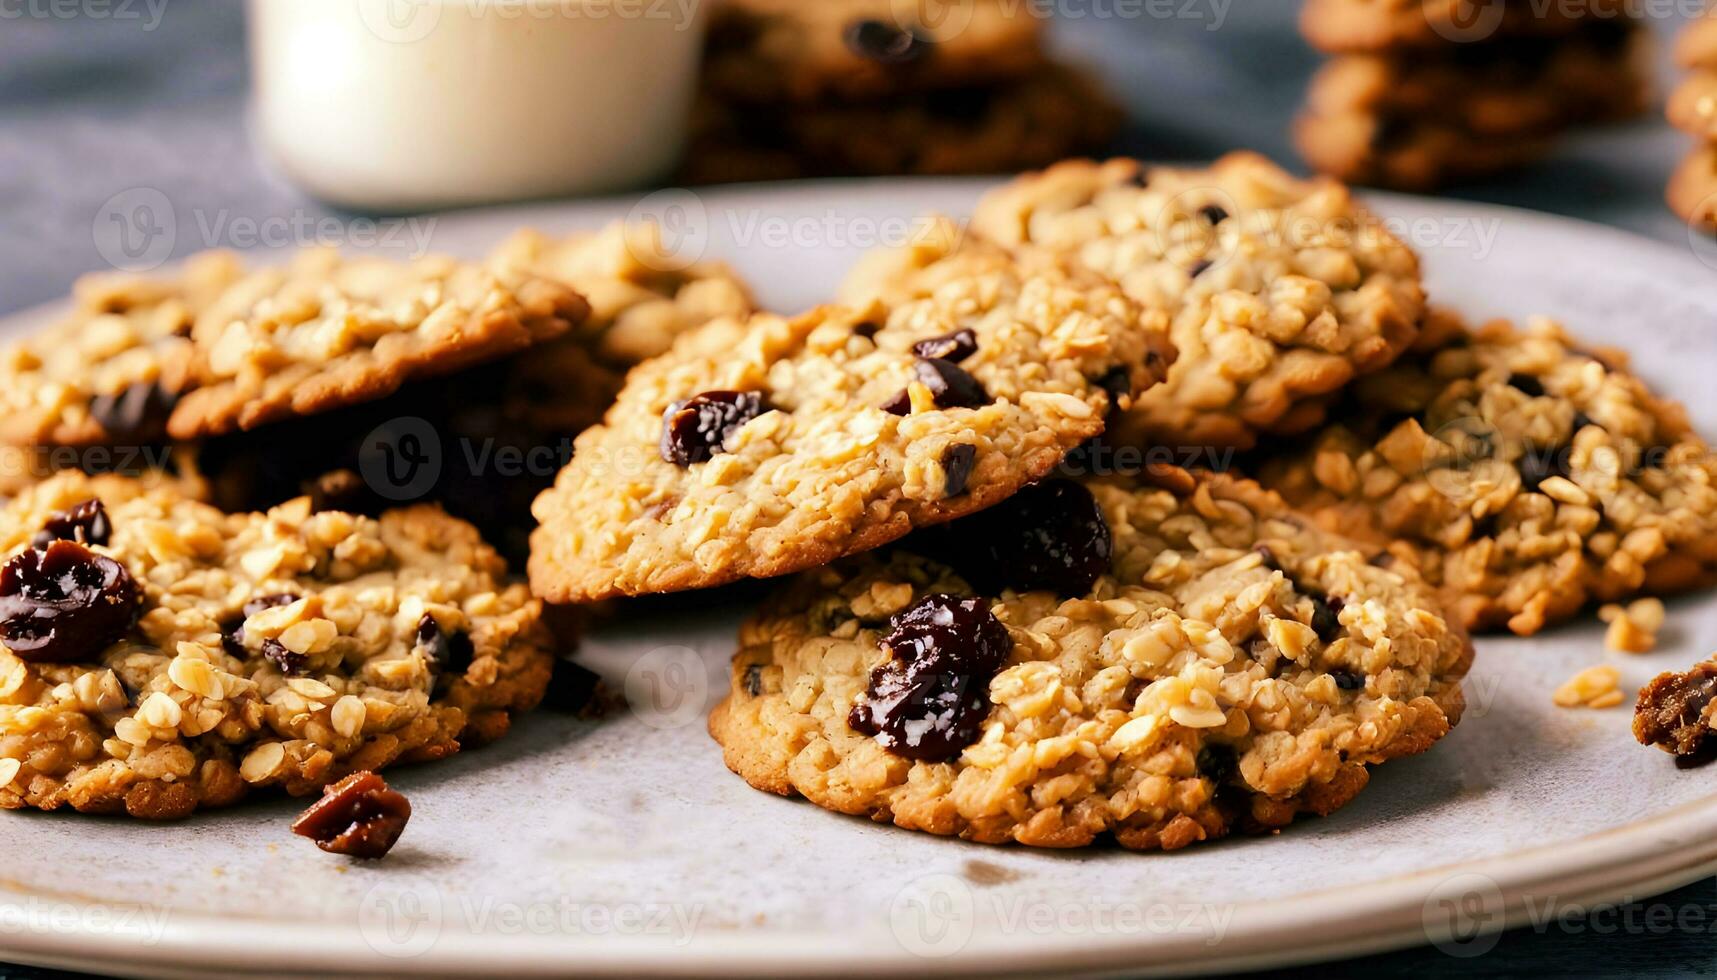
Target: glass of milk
(396,105)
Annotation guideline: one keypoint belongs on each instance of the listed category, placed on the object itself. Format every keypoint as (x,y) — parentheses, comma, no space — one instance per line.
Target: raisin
(85,523)
(1214,213)
(950,386)
(885,43)
(233,638)
(1536,466)
(64,603)
(1347,680)
(900,404)
(289,661)
(571,687)
(135,414)
(1268,554)
(359,816)
(1326,617)
(1048,536)
(695,429)
(446,652)
(956,346)
(867,329)
(1671,712)
(1527,385)
(753,680)
(957,463)
(1216,762)
(928,701)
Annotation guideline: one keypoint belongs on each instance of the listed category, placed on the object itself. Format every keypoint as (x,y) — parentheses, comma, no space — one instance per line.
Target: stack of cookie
(1692,109)
(1425,93)
(874,87)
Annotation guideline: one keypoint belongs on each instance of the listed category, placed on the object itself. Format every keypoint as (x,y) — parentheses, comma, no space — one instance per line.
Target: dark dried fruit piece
(1526,384)
(1326,617)
(1048,536)
(135,414)
(867,329)
(448,653)
(885,43)
(695,429)
(957,463)
(233,638)
(928,701)
(1674,712)
(570,688)
(956,346)
(1214,213)
(64,603)
(289,661)
(1538,465)
(1347,680)
(359,816)
(85,523)
(949,383)
(1216,762)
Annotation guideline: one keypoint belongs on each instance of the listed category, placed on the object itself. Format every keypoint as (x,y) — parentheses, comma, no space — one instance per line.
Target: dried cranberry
(695,429)
(1049,536)
(1326,617)
(359,816)
(447,652)
(929,700)
(954,347)
(957,463)
(885,43)
(1526,384)
(1214,213)
(950,386)
(86,523)
(64,603)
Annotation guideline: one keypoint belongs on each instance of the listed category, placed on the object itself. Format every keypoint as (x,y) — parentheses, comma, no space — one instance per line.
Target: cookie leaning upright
(109,371)
(1692,190)
(161,656)
(1279,290)
(763,446)
(323,332)
(1163,664)
(1521,474)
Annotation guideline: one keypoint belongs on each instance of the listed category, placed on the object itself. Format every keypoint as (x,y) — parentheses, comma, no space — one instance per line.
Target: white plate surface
(624,846)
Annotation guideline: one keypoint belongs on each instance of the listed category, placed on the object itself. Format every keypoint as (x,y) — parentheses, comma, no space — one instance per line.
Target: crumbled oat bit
(1594,687)
(1522,474)
(1634,627)
(359,816)
(283,649)
(783,443)
(1164,711)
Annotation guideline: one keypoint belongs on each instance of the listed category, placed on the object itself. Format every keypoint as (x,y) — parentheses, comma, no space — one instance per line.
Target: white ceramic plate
(624,847)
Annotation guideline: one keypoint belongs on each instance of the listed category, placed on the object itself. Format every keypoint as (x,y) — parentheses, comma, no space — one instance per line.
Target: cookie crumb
(1594,687)
(1634,627)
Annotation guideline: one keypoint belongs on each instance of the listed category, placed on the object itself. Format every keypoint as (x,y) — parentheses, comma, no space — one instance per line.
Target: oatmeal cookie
(764,446)
(160,655)
(1345,26)
(109,371)
(1522,475)
(1160,664)
(642,293)
(323,332)
(789,51)
(1677,712)
(1410,155)
(1054,113)
(1279,290)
